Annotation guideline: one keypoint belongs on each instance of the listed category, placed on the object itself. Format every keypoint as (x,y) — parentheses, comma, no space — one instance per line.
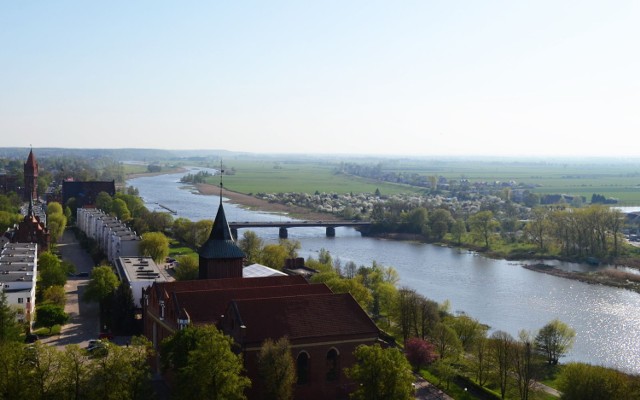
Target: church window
(332,365)
(302,368)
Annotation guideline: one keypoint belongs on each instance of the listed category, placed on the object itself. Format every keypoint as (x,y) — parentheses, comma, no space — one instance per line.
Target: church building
(324,328)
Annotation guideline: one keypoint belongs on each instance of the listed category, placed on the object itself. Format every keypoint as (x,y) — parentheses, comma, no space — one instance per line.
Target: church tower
(220,257)
(30,178)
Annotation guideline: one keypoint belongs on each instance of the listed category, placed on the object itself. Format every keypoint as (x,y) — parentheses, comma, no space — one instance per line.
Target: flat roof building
(18,275)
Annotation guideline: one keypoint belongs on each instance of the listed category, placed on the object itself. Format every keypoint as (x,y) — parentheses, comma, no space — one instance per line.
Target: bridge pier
(283,234)
(234,233)
(331,231)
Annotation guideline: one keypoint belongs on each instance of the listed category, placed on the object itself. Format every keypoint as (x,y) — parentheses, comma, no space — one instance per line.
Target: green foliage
(123,310)
(56,223)
(277,370)
(52,272)
(101,285)
(9,327)
(204,365)
(8,220)
(580,381)
(48,315)
(154,245)
(274,256)
(55,295)
(251,244)
(120,210)
(104,202)
(483,226)
(54,208)
(554,340)
(187,269)
(382,374)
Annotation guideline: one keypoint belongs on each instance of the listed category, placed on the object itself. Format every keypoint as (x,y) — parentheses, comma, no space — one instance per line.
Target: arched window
(302,368)
(332,365)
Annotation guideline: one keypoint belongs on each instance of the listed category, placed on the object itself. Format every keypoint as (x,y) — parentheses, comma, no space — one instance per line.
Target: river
(499,293)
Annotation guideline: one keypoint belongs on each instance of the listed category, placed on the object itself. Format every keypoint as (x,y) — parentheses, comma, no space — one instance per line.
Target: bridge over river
(284,225)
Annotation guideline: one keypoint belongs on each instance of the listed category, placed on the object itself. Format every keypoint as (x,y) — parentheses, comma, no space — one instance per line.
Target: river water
(499,293)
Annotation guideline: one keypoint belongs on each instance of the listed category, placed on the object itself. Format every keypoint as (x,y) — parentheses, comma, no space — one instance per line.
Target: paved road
(84,317)
(427,391)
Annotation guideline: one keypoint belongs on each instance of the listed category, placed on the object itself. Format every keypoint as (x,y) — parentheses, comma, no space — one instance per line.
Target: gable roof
(302,318)
(165,288)
(207,306)
(220,243)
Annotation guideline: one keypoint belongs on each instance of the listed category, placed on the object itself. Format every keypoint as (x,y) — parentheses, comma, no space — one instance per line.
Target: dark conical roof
(220,243)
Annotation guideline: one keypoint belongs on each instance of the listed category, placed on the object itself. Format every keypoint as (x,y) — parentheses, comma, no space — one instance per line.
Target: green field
(619,180)
(299,177)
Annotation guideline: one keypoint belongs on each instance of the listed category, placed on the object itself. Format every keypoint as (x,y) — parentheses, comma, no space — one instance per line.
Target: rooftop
(141,269)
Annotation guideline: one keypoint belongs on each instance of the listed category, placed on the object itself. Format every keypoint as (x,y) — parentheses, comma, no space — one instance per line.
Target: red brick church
(323,327)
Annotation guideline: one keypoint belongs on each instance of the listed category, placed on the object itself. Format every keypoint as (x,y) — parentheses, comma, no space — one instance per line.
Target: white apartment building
(18,274)
(114,237)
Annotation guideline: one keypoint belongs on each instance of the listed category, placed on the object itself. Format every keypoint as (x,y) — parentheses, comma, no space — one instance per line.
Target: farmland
(619,180)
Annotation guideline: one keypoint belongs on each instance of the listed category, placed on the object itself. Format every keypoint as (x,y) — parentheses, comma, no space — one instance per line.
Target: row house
(112,235)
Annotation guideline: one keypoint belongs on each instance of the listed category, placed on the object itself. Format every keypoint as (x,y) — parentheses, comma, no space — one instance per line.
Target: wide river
(499,293)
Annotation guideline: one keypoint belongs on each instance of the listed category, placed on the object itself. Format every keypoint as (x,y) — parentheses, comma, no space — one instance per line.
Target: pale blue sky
(375,77)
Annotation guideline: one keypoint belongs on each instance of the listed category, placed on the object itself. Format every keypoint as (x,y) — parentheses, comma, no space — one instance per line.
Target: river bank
(256,204)
(609,277)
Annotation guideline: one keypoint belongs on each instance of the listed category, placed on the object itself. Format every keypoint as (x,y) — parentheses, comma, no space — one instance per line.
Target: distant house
(85,193)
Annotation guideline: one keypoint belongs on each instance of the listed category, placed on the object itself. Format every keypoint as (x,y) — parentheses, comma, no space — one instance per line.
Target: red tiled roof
(206,306)
(228,283)
(329,316)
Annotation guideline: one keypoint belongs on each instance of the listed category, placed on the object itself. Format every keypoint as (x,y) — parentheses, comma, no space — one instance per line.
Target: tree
(468,329)
(51,270)
(439,221)
(48,315)
(123,310)
(291,247)
(8,219)
(554,340)
(154,245)
(538,228)
(382,374)
(9,327)
(187,269)
(580,381)
(102,283)
(458,229)
(274,256)
(54,208)
(524,366)
(101,286)
(104,202)
(251,245)
(56,223)
(420,353)
(122,372)
(446,341)
(55,295)
(500,349)
(204,364)
(277,370)
(120,210)
(483,225)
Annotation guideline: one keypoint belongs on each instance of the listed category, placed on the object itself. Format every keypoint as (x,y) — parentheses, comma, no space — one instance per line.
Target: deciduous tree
(382,374)
(154,245)
(277,370)
(554,340)
(420,352)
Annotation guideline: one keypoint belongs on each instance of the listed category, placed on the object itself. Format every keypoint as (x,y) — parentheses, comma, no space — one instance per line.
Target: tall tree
(483,226)
(154,245)
(252,245)
(9,327)
(420,352)
(277,370)
(501,348)
(554,340)
(123,310)
(381,374)
(524,365)
(204,364)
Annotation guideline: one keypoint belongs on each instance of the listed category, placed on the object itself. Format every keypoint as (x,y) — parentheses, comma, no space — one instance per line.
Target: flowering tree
(419,352)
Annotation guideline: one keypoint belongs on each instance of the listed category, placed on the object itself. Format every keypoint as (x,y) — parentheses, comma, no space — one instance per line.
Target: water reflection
(496,292)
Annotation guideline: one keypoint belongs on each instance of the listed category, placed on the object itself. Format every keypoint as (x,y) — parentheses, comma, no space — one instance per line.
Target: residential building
(18,275)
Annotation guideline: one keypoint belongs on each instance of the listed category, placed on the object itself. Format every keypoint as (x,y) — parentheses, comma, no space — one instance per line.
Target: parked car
(82,274)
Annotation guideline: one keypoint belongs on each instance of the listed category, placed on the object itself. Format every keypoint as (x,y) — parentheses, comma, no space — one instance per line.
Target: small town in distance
(94,280)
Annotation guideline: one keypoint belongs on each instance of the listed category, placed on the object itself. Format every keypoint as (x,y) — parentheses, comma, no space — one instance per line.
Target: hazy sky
(382,77)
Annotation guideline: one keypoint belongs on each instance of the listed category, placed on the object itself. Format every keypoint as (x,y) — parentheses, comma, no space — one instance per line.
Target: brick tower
(30,178)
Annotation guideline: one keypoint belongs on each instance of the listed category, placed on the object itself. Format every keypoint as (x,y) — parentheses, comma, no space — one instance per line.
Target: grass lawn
(55,330)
